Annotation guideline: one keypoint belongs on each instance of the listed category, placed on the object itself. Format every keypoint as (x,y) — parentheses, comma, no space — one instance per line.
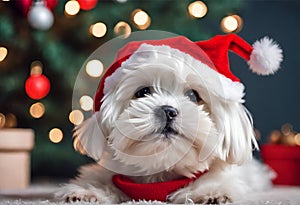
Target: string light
(37,110)
(86,103)
(123,29)
(72,8)
(76,117)
(98,29)
(231,23)
(94,68)
(141,19)
(197,9)
(56,135)
(3,53)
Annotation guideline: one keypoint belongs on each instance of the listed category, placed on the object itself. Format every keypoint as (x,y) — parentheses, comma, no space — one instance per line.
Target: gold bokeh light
(297,139)
(287,129)
(86,103)
(122,29)
(56,135)
(94,68)
(98,29)
(232,23)
(141,19)
(72,8)
(197,9)
(37,110)
(76,117)
(3,53)
(2,120)
(10,120)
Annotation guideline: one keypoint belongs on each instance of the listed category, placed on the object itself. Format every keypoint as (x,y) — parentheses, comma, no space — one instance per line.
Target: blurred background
(43,45)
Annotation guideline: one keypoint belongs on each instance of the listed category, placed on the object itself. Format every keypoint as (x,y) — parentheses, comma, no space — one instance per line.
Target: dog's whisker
(140,108)
(135,120)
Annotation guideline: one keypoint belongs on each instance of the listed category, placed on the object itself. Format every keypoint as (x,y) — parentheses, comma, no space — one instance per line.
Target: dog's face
(165,114)
(162,119)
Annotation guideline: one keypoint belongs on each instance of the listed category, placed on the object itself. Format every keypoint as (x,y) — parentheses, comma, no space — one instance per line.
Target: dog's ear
(89,138)
(238,133)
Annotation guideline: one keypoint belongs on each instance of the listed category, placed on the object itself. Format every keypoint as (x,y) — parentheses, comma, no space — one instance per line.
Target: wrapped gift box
(285,161)
(15,147)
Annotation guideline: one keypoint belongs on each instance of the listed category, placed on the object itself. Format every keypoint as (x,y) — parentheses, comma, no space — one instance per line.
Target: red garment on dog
(150,191)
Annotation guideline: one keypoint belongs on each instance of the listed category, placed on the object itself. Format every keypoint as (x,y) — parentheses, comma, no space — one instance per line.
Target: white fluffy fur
(266,57)
(214,135)
(91,146)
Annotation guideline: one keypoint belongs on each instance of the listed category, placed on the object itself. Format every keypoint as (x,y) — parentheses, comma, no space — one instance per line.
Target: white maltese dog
(170,125)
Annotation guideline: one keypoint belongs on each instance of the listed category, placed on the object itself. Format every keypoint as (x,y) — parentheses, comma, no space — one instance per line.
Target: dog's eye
(193,95)
(143,92)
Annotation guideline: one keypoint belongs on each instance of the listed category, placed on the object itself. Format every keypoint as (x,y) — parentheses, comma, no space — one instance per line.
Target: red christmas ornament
(37,86)
(51,4)
(87,4)
(26,4)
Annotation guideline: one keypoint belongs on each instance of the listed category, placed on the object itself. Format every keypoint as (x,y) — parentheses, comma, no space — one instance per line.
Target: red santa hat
(263,57)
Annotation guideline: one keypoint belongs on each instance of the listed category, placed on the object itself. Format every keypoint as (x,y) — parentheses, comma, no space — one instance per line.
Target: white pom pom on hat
(266,57)
(263,58)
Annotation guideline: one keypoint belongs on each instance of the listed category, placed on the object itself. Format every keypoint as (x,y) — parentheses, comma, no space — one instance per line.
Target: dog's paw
(80,197)
(217,199)
(199,198)
(189,196)
(74,193)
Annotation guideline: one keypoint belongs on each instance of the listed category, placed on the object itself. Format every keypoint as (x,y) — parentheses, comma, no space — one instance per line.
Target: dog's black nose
(170,112)
(166,115)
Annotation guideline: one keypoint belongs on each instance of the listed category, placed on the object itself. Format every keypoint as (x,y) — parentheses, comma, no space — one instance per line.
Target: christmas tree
(60,48)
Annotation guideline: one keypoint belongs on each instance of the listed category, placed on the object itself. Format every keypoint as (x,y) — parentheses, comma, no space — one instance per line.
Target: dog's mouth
(169,132)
